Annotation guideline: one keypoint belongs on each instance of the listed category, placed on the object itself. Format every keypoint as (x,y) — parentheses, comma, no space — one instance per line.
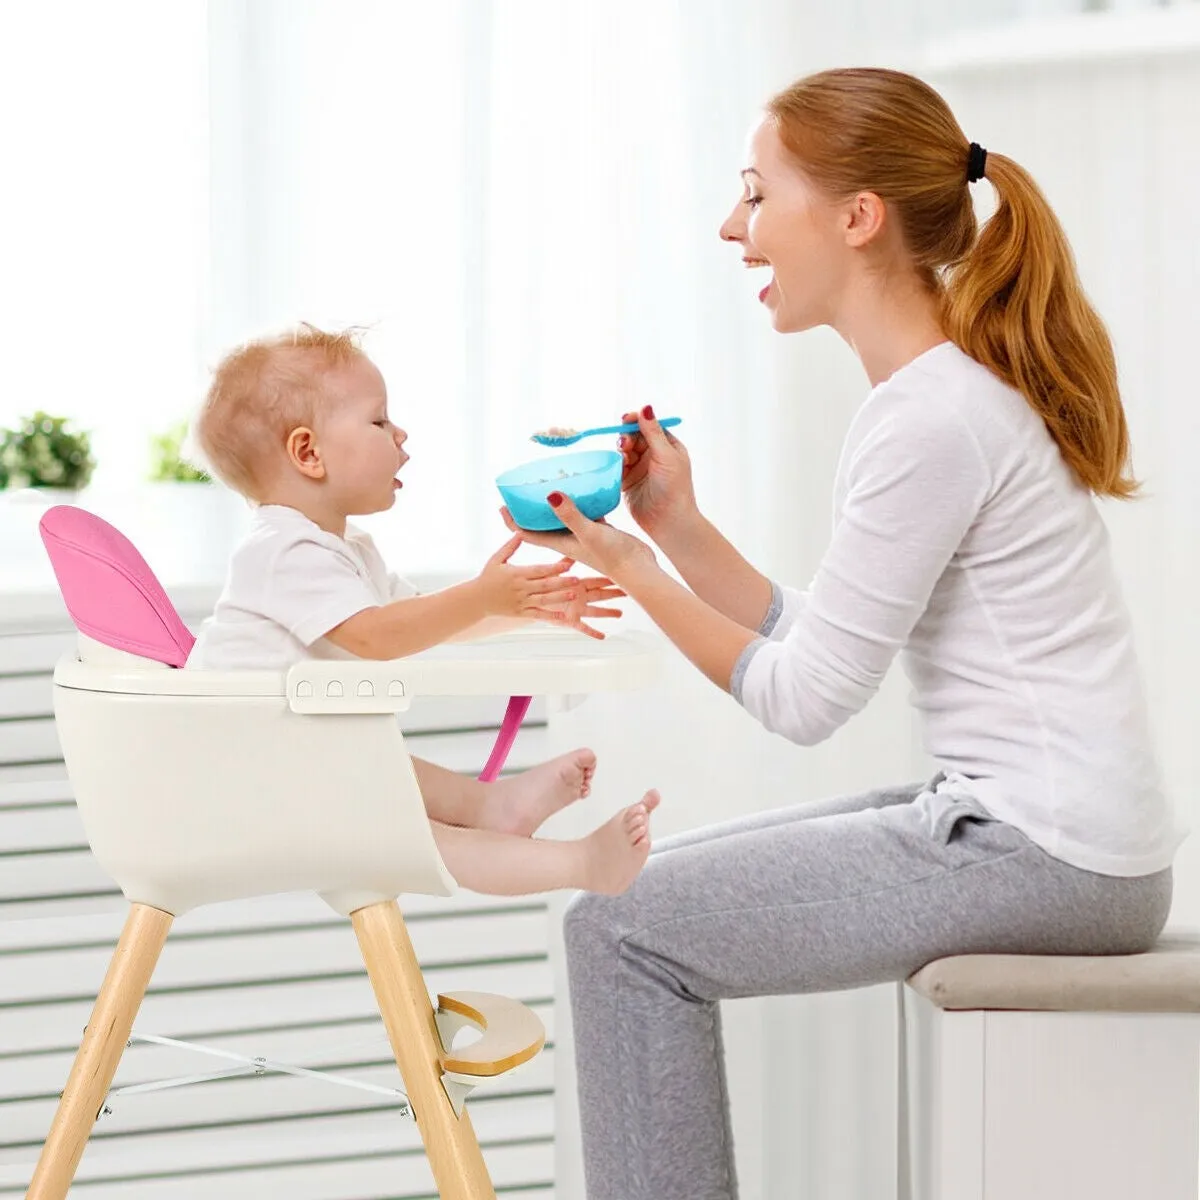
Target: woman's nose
(733,228)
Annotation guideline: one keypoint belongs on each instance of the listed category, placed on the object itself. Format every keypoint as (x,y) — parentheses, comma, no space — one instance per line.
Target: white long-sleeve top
(963,541)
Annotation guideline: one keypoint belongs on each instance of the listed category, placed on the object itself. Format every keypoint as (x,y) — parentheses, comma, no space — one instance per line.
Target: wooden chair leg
(100,1052)
(450,1143)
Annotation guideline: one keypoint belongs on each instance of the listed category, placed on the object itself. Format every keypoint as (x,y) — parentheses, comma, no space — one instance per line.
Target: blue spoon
(569,439)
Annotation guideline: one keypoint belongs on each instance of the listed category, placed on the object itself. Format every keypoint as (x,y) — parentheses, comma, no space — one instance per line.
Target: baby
(299,425)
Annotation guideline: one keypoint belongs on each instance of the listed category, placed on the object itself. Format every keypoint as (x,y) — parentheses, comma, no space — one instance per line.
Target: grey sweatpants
(821,897)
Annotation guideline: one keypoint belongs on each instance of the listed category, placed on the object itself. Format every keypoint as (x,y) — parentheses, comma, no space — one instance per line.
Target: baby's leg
(501,864)
(517,805)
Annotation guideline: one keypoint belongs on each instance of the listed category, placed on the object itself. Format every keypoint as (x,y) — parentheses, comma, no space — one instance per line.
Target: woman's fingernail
(554,499)
(648,412)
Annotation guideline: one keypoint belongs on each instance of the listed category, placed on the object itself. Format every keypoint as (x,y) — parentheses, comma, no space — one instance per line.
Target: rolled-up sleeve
(913,487)
(786,605)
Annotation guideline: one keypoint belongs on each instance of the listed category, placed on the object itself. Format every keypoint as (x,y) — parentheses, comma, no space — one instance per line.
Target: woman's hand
(611,552)
(591,593)
(657,479)
(537,591)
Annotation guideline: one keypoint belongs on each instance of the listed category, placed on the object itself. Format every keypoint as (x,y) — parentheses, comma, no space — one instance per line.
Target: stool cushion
(1166,979)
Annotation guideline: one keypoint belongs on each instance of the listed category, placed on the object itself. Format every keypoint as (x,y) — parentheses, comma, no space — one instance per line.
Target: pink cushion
(110,592)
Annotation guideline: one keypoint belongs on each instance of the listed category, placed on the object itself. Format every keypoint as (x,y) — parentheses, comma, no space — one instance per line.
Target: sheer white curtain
(103,217)
(520,201)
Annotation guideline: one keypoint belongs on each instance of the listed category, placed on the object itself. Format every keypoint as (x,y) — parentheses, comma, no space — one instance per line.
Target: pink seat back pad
(110,591)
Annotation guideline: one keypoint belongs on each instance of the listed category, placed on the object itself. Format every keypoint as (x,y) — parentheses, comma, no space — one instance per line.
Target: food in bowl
(592,478)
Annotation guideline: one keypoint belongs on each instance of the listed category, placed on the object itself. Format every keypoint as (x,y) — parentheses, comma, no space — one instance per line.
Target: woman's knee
(589,915)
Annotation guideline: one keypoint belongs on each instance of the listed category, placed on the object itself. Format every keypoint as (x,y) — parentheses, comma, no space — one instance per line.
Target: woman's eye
(754,201)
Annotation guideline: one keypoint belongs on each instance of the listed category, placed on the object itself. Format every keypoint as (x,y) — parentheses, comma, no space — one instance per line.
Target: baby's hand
(590,592)
(512,591)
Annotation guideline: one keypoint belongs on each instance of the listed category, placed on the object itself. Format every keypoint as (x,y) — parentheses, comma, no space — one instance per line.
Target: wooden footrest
(512,1033)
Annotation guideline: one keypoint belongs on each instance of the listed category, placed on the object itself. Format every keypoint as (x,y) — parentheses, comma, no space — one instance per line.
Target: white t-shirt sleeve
(786,605)
(913,486)
(312,587)
(400,588)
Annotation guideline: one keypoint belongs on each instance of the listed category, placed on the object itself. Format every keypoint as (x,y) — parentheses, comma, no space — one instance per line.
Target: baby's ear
(304,454)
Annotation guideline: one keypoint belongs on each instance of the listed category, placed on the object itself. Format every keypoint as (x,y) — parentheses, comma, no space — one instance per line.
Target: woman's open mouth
(753,263)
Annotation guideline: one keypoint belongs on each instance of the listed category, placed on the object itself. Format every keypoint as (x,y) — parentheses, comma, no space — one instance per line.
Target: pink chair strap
(518,706)
(110,592)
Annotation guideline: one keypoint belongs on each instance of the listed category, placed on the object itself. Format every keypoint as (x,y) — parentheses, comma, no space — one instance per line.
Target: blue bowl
(591,478)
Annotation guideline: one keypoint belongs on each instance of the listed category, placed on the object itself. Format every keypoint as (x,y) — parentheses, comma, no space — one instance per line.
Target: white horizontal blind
(279,978)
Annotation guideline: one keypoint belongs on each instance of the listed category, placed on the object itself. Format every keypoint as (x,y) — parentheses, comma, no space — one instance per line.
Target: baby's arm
(489,627)
(415,623)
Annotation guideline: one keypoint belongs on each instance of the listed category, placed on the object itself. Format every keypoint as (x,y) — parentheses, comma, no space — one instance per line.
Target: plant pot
(187,531)
(20,542)
(41,498)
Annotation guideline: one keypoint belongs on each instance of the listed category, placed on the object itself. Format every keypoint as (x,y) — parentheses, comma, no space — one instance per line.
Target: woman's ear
(863,219)
(304,454)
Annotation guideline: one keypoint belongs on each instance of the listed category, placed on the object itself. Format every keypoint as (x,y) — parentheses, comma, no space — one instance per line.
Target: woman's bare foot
(616,852)
(521,804)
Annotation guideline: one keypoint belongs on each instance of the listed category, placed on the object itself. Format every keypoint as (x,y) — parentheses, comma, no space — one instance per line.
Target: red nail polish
(648,412)
(554,499)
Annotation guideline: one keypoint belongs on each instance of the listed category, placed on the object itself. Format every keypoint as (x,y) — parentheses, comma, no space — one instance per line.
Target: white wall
(1113,144)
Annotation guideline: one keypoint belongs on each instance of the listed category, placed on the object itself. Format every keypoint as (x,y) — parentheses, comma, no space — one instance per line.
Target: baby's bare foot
(616,852)
(521,804)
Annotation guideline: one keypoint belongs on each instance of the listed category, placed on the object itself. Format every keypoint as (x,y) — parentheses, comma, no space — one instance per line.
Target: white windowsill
(1072,38)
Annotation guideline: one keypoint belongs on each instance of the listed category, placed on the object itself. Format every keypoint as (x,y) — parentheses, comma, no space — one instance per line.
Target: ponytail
(1011,296)
(1015,304)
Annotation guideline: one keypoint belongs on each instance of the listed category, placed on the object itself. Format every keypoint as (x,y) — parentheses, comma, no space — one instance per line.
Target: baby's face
(361,449)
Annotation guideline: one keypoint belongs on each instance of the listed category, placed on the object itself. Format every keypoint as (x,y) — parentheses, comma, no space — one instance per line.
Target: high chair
(202,786)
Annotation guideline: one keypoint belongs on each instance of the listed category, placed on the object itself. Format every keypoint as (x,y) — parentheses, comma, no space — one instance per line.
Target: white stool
(1046,1078)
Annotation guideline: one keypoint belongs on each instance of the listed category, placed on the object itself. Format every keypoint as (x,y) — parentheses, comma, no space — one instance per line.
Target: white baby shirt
(290,582)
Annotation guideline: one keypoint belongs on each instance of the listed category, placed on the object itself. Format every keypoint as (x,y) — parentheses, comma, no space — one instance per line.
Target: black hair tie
(976,162)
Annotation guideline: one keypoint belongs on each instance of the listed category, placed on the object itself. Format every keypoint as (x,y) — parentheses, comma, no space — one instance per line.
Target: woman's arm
(914,487)
(714,569)
(657,482)
(713,641)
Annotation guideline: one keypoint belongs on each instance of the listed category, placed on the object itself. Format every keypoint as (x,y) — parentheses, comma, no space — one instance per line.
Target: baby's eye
(382,424)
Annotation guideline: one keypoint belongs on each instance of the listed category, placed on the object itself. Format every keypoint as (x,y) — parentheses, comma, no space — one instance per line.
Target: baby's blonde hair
(260,392)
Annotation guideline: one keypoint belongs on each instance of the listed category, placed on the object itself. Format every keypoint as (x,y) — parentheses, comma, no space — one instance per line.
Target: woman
(966,536)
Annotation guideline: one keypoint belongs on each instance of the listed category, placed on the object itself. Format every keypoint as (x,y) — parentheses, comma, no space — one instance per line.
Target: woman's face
(783,222)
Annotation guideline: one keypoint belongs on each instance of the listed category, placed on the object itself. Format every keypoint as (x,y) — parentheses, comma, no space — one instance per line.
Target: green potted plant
(167,462)
(44,453)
